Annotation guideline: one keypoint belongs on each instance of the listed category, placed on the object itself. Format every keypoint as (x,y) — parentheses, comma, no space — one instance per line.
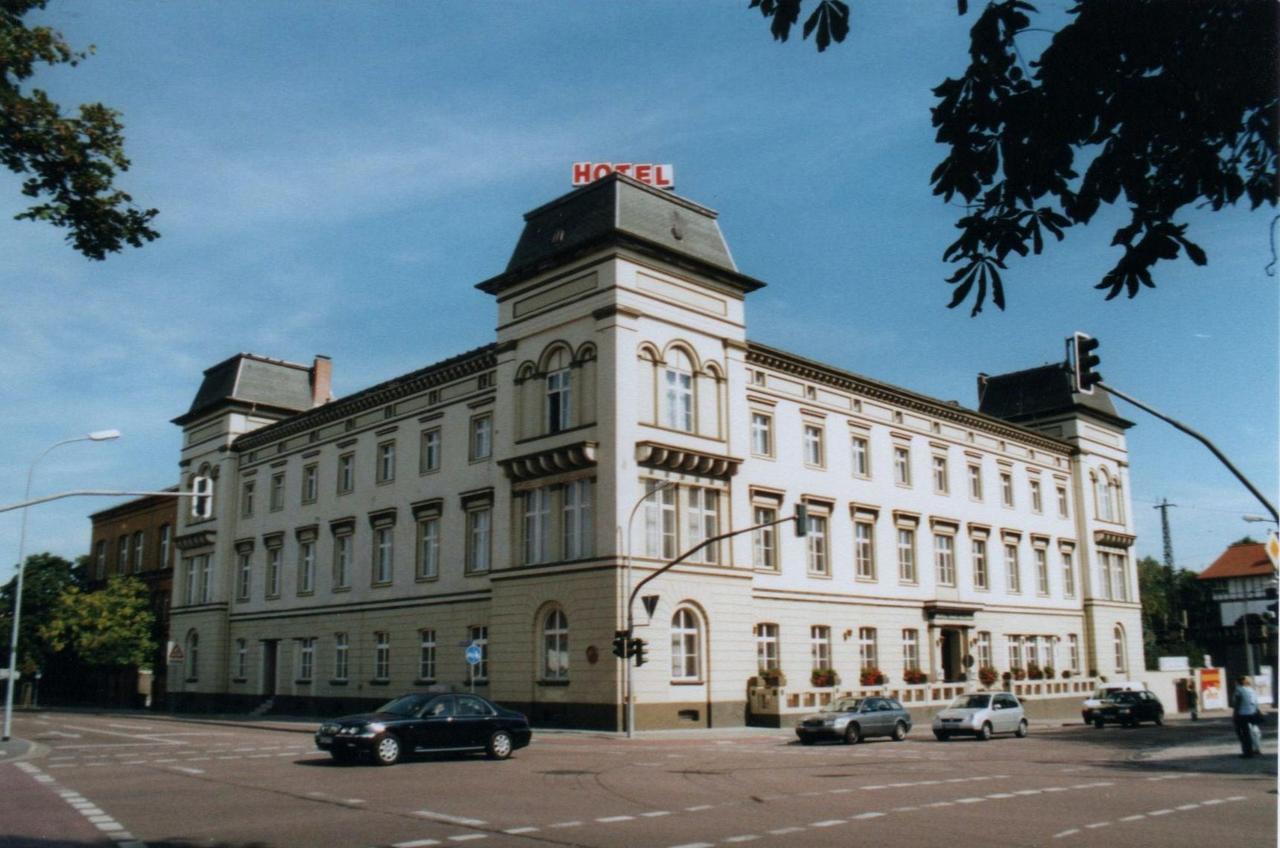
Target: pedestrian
(1247,718)
(1193,702)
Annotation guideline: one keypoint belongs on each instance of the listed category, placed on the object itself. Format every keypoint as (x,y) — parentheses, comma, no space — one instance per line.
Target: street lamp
(627,673)
(96,436)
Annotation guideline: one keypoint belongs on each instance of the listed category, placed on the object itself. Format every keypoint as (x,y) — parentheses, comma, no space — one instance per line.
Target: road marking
(1159,812)
(746,837)
(467,837)
(999,795)
(1066,833)
(694,845)
(518,830)
(1097,825)
(442,817)
(783,831)
(1188,806)
(868,815)
(829,823)
(567,824)
(656,813)
(1133,818)
(970,800)
(904,809)
(699,808)
(612,819)
(416,843)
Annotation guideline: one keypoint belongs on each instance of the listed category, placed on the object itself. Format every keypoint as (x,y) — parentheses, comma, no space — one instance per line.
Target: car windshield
(844,705)
(971,702)
(1121,697)
(405,705)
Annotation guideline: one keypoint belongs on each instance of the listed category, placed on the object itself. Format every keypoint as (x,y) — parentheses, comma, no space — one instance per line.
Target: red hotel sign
(658,176)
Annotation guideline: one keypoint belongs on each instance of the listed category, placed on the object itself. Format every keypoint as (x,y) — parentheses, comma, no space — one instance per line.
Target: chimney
(321,381)
(982,385)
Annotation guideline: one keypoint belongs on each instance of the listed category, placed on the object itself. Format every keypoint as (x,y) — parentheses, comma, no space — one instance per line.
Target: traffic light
(802,520)
(620,644)
(637,650)
(202,497)
(1083,361)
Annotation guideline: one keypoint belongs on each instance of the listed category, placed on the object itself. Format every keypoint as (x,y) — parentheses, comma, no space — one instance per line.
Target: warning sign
(1273,549)
(176,654)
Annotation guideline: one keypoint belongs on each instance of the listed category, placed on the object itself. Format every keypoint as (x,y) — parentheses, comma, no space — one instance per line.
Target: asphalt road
(136,780)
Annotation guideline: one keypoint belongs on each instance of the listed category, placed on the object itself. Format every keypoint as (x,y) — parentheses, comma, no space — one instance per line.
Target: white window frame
(577,527)
(306,566)
(559,400)
(555,645)
(820,646)
(275,494)
(310,483)
(860,455)
(906,546)
(1012,568)
(342,547)
(944,558)
(660,521)
(941,475)
(1067,557)
(381,656)
(975,481)
(764,541)
(1041,554)
(346,473)
(686,646)
(981,563)
(761,434)
(864,548)
(341,656)
(702,522)
(427,654)
(902,465)
(768,657)
(481,441)
(479,636)
(306,659)
(429,451)
(383,554)
(910,649)
(428,565)
(815,449)
(535,526)
(818,545)
(479,540)
(386,467)
(275,563)
(677,399)
(868,648)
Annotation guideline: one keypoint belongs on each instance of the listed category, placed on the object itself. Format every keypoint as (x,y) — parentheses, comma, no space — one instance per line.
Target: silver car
(981,715)
(854,719)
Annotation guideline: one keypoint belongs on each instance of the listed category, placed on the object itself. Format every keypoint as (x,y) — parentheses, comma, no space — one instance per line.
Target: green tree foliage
(110,627)
(45,578)
(1178,612)
(1154,104)
(69,163)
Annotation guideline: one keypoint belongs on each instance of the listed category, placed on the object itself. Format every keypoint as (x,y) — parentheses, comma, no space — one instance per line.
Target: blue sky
(334,177)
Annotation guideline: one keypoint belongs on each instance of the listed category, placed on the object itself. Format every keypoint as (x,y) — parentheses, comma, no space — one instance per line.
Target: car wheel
(941,736)
(899,732)
(1022,729)
(1099,723)
(500,745)
(852,734)
(985,733)
(386,751)
(1159,721)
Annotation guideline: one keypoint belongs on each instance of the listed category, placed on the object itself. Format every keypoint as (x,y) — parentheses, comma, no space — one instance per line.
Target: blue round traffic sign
(474,654)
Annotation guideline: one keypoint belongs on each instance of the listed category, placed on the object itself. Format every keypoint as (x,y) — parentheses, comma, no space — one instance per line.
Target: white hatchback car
(981,714)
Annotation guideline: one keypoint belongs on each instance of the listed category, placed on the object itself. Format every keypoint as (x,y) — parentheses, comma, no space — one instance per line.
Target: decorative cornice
(191,541)
(672,458)
(1113,539)
(551,461)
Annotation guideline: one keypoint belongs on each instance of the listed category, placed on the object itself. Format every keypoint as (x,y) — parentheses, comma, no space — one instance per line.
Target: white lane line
(1236,798)
(442,817)
(783,831)
(699,808)
(1133,818)
(970,800)
(904,809)
(1159,812)
(1187,806)
(468,837)
(416,843)
(829,823)
(567,824)
(1066,833)
(1096,825)
(868,815)
(612,819)
(694,845)
(518,830)
(655,814)
(1212,802)
(746,837)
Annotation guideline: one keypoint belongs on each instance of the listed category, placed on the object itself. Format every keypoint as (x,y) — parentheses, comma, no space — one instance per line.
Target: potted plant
(871,676)
(1034,671)
(914,677)
(772,677)
(1050,672)
(987,675)
(823,677)
(1066,673)
(1019,673)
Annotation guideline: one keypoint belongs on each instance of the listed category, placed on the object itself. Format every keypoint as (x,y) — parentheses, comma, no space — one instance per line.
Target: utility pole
(1172,603)
(1164,507)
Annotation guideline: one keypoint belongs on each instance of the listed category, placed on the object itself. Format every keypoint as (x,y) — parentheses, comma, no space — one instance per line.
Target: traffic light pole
(631,695)
(1210,445)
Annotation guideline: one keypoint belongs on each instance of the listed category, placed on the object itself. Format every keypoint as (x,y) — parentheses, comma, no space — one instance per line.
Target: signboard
(658,176)
(1262,685)
(1213,695)
(1174,663)
(176,654)
(474,654)
(1273,549)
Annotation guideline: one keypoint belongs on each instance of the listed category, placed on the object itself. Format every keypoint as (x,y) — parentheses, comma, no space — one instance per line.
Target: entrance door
(951,647)
(270,651)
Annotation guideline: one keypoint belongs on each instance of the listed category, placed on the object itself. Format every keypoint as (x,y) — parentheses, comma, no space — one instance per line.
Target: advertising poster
(1213,695)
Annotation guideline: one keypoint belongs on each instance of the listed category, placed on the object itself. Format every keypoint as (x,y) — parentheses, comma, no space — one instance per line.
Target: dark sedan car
(426,722)
(1129,709)
(854,719)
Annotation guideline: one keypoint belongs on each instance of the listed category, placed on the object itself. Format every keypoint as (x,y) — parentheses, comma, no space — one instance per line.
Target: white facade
(358,545)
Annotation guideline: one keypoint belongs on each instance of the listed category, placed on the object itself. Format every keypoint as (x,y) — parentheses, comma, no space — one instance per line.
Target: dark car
(854,719)
(425,722)
(1129,709)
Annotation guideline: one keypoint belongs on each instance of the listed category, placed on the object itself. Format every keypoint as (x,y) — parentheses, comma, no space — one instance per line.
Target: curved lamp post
(12,682)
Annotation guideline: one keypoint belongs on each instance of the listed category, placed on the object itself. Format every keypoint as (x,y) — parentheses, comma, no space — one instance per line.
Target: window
(1012,569)
(677,393)
(276,495)
(1037,502)
(910,650)
(1063,508)
(193,656)
(342,561)
(944,554)
(559,399)
(341,644)
(701,523)
(1014,646)
(189,584)
(767,647)
(386,467)
(868,654)
(481,437)
(429,453)
(906,555)
(814,454)
(816,541)
(861,449)
(383,554)
(902,465)
(306,567)
(577,528)
(382,656)
(346,473)
(864,549)
(1033,651)
(122,556)
(479,635)
(660,522)
(820,646)
(427,654)
(479,524)
(1122,665)
(139,545)
(1073,653)
(429,547)
(1068,574)
(536,526)
(941,479)
(166,540)
(247,498)
(306,659)
(1006,488)
(761,434)
(555,646)
(1115,586)
(100,557)
(244,572)
(686,646)
(241,669)
(310,483)
(984,650)
(1042,571)
(764,542)
(274,558)
(975,481)
(978,552)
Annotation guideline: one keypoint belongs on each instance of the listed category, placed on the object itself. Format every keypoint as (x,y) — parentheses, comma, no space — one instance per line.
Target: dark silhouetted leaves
(830,20)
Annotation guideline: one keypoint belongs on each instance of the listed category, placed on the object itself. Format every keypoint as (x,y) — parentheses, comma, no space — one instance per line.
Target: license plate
(325,740)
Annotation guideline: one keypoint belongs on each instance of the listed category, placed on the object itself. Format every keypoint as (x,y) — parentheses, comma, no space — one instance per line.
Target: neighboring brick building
(1244,586)
(136,538)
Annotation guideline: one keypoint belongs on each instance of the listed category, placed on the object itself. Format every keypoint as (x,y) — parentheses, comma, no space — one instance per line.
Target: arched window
(676,391)
(559,392)
(1122,666)
(1106,502)
(555,646)
(138,549)
(686,645)
(193,656)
